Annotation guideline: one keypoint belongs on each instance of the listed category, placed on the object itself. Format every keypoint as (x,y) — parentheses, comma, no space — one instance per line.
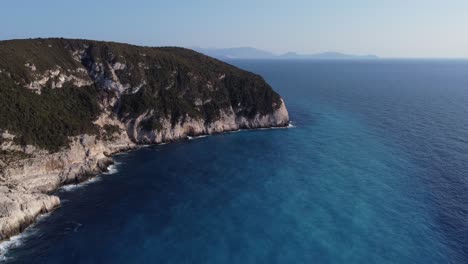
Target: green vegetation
(151,123)
(9,156)
(48,119)
(185,76)
(109,131)
(173,82)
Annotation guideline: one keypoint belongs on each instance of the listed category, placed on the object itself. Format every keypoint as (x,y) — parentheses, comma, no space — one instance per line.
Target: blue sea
(375,170)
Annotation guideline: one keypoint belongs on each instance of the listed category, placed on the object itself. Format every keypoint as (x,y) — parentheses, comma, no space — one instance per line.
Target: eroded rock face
(145,96)
(19,209)
(26,184)
(228,121)
(24,192)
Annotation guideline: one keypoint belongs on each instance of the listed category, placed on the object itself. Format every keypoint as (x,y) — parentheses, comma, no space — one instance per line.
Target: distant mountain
(325,56)
(236,53)
(253,53)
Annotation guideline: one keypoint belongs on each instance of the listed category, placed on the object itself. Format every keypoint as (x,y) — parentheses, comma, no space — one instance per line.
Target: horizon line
(193,47)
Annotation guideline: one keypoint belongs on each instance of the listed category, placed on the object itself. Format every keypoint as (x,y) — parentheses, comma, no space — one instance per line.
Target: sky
(390,28)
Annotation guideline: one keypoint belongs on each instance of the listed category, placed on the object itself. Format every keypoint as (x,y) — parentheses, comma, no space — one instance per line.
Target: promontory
(67,105)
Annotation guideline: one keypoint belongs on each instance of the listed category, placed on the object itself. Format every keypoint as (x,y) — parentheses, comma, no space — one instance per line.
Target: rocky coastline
(69,105)
(28,189)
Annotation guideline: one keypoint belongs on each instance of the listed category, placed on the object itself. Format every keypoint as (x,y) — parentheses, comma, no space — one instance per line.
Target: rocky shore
(27,186)
(68,105)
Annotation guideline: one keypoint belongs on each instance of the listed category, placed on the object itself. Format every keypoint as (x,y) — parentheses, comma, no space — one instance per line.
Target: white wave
(71,187)
(42,216)
(13,242)
(16,241)
(290,125)
(192,138)
(111,169)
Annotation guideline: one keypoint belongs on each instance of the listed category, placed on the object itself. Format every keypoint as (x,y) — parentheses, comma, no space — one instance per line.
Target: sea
(374,169)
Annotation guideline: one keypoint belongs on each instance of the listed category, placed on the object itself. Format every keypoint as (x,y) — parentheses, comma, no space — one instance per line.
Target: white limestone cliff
(26,185)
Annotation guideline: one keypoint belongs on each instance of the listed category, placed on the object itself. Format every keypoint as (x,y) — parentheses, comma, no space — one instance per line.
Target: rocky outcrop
(144,95)
(20,208)
(191,127)
(25,190)
(27,184)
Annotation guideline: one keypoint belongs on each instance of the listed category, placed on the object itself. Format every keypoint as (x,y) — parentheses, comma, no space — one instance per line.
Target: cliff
(67,105)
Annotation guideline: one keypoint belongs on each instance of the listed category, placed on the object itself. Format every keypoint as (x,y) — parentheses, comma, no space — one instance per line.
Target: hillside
(67,105)
(127,80)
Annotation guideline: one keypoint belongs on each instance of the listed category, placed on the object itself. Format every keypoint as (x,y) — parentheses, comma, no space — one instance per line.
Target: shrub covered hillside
(51,89)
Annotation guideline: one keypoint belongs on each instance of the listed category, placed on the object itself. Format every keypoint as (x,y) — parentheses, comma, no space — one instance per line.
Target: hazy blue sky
(393,28)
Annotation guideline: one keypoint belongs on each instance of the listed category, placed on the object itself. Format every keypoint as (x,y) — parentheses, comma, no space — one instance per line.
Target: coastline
(108,161)
(131,97)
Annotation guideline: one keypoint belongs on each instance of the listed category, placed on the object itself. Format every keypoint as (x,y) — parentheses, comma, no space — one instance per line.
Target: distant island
(253,53)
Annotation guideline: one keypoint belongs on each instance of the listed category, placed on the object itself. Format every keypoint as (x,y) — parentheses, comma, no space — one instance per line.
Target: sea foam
(192,138)
(71,187)
(16,241)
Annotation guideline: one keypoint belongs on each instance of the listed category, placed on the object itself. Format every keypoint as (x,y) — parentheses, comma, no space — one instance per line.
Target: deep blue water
(375,171)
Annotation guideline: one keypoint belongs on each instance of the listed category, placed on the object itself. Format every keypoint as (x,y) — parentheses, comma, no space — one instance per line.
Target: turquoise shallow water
(374,171)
